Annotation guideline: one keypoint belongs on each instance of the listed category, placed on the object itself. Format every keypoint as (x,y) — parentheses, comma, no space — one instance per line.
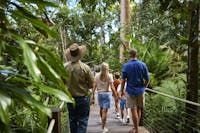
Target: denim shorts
(122,103)
(104,99)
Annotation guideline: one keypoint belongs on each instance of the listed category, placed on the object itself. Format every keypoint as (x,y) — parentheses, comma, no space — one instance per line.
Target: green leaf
(46,89)
(5,101)
(56,92)
(30,60)
(48,71)
(25,14)
(39,2)
(183,40)
(24,97)
(55,62)
(3,115)
(21,95)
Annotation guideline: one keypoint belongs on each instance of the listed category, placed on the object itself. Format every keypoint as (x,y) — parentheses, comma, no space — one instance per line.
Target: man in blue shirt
(135,73)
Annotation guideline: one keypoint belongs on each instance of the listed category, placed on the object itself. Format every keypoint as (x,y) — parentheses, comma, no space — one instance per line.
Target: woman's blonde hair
(104,73)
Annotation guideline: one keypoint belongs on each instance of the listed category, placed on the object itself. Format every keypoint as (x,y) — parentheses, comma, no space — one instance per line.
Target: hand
(122,93)
(116,100)
(116,95)
(92,98)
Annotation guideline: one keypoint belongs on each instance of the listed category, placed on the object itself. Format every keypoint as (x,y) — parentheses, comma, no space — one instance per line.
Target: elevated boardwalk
(114,125)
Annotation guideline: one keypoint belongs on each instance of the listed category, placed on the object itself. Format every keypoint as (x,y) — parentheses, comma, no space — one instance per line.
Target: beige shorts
(133,101)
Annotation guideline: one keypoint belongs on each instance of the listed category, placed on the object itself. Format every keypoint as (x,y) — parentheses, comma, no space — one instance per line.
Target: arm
(146,77)
(94,88)
(146,83)
(113,90)
(93,91)
(90,78)
(122,87)
(124,80)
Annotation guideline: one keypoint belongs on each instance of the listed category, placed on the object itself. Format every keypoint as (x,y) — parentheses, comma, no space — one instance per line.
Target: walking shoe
(105,130)
(127,120)
(117,116)
(123,121)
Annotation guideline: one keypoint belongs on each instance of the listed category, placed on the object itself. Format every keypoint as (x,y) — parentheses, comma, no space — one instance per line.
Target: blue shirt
(135,72)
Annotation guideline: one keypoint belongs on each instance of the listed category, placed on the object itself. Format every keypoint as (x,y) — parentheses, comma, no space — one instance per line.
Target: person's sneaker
(128,120)
(117,116)
(123,121)
(105,130)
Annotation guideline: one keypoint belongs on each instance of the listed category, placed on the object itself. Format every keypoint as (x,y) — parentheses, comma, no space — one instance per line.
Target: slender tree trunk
(125,27)
(192,76)
(63,40)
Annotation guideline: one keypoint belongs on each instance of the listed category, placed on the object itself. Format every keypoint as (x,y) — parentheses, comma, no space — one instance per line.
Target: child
(116,83)
(123,107)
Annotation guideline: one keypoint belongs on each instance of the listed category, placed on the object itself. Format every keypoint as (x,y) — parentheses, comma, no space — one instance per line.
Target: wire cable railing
(169,114)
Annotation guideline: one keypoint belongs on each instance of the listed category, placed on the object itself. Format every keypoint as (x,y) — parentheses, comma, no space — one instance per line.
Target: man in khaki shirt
(80,81)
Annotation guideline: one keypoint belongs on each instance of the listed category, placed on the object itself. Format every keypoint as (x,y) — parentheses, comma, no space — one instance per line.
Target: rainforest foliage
(34,34)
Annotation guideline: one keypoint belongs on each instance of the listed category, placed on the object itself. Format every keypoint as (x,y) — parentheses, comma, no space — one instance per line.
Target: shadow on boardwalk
(114,125)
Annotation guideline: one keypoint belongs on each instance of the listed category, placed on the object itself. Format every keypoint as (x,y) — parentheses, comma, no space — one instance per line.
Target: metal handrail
(173,97)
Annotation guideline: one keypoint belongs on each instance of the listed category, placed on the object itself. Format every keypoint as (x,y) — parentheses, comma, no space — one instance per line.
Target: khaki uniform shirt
(81,78)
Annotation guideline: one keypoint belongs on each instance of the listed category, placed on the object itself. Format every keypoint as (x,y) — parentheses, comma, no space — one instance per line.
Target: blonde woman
(104,81)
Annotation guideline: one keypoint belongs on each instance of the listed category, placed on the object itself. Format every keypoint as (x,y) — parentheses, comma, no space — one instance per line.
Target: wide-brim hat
(75,52)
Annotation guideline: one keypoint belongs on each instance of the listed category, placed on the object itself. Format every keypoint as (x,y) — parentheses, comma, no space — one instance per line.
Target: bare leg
(104,117)
(135,118)
(139,114)
(117,105)
(128,112)
(100,112)
(117,108)
(122,114)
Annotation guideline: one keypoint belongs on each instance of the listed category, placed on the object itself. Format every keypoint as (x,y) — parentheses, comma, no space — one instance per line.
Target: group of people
(134,74)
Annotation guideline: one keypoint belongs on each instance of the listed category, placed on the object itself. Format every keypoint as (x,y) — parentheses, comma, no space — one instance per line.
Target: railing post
(56,115)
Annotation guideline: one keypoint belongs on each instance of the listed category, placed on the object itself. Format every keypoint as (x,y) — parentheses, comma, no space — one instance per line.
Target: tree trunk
(192,76)
(63,40)
(125,27)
